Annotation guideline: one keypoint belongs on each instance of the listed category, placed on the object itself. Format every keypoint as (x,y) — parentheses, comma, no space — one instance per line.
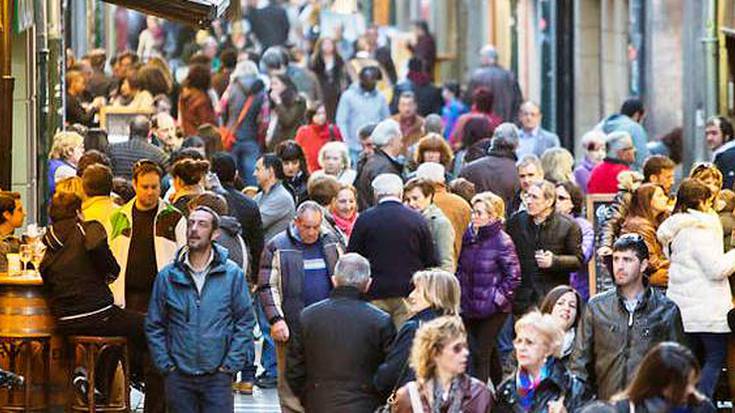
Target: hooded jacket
(357,108)
(488,271)
(699,270)
(229,237)
(77,267)
(200,332)
(239,90)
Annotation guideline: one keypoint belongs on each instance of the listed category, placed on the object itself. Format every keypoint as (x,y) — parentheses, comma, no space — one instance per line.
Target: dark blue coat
(199,333)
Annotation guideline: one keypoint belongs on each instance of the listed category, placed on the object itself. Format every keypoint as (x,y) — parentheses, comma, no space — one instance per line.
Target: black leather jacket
(561,382)
(611,342)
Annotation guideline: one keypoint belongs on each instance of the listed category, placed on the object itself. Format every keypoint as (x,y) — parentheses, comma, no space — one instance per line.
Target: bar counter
(25,312)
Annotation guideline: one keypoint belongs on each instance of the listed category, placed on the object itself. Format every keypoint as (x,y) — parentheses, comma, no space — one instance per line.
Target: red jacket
(312,137)
(604,177)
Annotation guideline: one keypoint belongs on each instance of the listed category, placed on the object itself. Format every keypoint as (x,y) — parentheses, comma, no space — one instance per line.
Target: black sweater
(397,242)
(77,267)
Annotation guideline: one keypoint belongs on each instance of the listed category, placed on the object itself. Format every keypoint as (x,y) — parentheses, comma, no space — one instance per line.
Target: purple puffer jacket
(488,271)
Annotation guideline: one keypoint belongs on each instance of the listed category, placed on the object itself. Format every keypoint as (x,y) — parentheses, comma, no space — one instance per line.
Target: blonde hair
(558,165)
(72,184)
(492,202)
(64,144)
(546,326)
(439,288)
(705,170)
(335,146)
(430,340)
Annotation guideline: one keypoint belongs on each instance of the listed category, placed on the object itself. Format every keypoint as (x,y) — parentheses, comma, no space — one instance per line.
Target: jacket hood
(230,225)
(251,84)
(58,233)
(614,122)
(679,221)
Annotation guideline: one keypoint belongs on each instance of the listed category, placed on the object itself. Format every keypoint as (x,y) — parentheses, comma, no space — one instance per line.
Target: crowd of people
(400,245)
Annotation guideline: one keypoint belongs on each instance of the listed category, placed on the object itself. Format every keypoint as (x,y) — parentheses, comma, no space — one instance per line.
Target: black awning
(193,12)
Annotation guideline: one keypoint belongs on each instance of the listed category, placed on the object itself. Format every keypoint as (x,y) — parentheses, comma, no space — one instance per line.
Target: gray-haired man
(342,341)
(388,141)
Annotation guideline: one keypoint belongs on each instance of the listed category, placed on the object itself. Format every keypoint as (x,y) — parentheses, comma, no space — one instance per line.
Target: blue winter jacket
(200,333)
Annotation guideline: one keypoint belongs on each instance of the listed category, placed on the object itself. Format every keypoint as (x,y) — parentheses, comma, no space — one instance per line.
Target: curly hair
(190,171)
(545,325)
(492,202)
(64,144)
(430,340)
(434,142)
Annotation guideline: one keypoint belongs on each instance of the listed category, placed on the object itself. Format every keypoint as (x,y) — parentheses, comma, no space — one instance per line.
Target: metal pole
(7,83)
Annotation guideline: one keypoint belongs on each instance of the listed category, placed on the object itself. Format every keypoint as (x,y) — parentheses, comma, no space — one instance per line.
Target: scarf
(526,386)
(344,224)
(454,397)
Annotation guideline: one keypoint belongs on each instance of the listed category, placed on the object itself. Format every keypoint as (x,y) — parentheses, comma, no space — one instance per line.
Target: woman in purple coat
(488,272)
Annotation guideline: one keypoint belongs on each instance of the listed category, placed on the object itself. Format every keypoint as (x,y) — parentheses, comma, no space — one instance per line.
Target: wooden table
(24,311)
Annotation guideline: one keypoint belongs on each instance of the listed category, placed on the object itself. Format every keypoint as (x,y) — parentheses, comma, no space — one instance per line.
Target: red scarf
(345,224)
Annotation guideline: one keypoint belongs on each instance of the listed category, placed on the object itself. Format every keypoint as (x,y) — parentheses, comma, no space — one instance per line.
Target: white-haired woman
(334,159)
(593,143)
(541,382)
(439,356)
(66,150)
(435,293)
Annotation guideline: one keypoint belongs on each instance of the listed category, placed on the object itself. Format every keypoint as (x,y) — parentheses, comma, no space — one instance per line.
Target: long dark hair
(664,372)
(547,305)
(575,195)
(317,58)
(289,95)
(690,194)
(291,151)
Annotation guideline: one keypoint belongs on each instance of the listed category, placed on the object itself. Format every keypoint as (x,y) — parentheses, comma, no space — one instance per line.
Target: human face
(263,175)
(627,154)
(345,203)
(452,358)
(147,190)
(627,268)
(433,156)
(713,184)
(665,179)
(166,128)
(596,153)
(320,117)
(659,201)
(18,216)
(530,117)
(532,349)
(276,85)
(406,107)
(416,301)
(482,215)
(327,46)
(564,203)
(291,168)
(332,162)
(714,136)
(527,175)
(565,310)
(368,81)
(416,199)
(76,153)
(536,202)
(77,86)
(368,148)
(199,230)
(309,225)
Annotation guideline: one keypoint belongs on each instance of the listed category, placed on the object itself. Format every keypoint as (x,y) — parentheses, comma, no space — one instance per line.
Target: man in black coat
(397,241)
(270,23)
(549,246)
(501,82)
(719,135)
(388,141)
(331,361)
(241,207)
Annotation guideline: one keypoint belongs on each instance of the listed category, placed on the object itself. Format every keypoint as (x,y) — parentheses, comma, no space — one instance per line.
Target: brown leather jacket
(658,265)
(477,398)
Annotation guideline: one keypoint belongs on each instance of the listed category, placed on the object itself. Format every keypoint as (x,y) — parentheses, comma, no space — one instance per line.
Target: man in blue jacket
(199,320)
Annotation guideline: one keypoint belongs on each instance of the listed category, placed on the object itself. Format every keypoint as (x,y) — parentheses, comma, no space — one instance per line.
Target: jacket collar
(217,266)
(502,153)
(614,161)
(644,298)
(344,291)
(725,147)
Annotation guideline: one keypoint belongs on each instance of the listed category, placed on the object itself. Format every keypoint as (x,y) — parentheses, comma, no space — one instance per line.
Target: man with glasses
(620,325)
(533,139)
(146,232)
(620,156)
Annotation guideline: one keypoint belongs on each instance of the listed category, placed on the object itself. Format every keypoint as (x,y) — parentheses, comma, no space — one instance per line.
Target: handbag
(228,134)
(388,406)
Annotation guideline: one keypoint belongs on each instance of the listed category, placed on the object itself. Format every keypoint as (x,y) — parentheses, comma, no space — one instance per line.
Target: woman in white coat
(698,276)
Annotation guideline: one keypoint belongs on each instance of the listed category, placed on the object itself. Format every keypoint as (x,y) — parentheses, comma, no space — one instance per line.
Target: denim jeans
(268,352)
(199,394)
(711,349)
(246,154)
